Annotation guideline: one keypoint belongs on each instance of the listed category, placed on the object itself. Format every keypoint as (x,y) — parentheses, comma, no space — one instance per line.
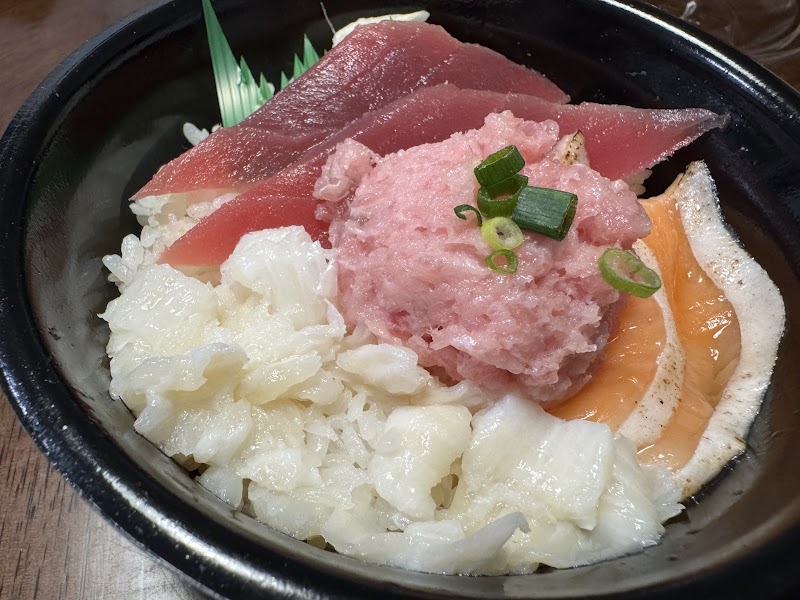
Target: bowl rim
(178,535)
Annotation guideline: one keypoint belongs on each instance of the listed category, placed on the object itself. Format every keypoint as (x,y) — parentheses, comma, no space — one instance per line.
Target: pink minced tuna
(414,273)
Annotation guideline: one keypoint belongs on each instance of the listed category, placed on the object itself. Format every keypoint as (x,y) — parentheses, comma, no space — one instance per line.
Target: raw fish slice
(476,67)
(730,327)
(762,319)
(636,386)
(372,67)
(621,140)
(656,406)
(708,326)
(285,199)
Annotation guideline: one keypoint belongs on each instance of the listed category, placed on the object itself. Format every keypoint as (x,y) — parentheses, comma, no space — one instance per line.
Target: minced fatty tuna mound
(414,274)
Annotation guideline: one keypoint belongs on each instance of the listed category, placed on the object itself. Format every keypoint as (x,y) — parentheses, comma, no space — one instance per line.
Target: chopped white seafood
(584,495)
(432,546)
(334,438)
(387,366)
(414,453)
(288,270)
(162,313)
(224,484)
(561,467)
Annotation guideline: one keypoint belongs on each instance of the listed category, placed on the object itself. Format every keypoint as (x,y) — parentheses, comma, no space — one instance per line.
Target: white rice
(331,437)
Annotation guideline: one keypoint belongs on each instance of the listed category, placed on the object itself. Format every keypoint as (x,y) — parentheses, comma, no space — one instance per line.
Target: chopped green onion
(623,271)
(499,166)
(501,233)
(240,94)
(507,187)
(500,199)
(545,211)
(511,262)
(461,208)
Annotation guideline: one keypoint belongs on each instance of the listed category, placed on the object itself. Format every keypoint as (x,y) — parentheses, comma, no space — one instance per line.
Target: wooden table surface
(52,544)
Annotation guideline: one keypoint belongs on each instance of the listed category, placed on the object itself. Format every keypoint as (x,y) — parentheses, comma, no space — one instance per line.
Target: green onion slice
(507,187)
(624,271)
(499,166)
(545,211)
(462,208)
(510,265)
(500,199)
(501,233)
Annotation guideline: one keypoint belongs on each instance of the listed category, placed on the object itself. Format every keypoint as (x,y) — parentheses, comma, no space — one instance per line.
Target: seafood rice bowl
(328,345)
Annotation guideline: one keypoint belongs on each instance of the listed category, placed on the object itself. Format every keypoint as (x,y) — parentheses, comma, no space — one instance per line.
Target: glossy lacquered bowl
(103,122)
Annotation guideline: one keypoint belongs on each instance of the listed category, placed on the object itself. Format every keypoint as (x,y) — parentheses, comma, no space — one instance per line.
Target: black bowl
(101,124)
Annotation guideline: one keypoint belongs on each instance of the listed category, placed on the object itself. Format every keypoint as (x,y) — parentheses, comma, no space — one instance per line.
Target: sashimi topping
(447,110)
(627,370)
(685,373)
(622,140)
(637,386)
(372,67)
(757,302)
(707,326)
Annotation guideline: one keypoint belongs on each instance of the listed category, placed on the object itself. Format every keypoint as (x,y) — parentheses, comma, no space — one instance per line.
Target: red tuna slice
(370,68)
(476,67)
(286,198)
(430,115)
(622,140)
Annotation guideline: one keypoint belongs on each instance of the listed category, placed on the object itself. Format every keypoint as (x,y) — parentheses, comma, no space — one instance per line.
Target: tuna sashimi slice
(282,200)
(447,110)
(615,142)
(373,66)
(623,140)
(476,67)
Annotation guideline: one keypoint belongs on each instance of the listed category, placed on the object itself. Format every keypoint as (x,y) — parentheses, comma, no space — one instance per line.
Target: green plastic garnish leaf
(310,55)
(298,67)
(239,93)
(301,65)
